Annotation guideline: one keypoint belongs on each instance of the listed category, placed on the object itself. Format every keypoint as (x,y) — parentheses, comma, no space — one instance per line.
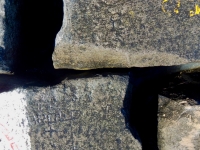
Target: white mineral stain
(13,121)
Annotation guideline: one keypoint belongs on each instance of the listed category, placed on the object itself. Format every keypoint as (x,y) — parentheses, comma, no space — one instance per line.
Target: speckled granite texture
(75,114)
(80,114)
(125,33)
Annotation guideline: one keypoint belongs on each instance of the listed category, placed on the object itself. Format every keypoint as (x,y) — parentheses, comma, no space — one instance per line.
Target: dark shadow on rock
(30,31)
(184,85)
(12,33)
(141,99)
(43,78)
(141,105)
(2,53)
(41,21)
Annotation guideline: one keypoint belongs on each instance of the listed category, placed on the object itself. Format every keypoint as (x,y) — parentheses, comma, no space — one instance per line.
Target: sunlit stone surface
(127,33)
(75,114)
(14,128)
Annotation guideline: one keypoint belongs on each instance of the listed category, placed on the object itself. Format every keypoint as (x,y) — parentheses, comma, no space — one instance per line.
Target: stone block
(126,33)
(75,114)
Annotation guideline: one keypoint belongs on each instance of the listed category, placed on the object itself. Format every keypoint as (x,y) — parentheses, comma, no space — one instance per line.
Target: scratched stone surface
(79,114)
(125,33)
(178,124)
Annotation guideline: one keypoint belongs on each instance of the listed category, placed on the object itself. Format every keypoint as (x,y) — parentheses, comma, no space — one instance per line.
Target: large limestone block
(75,114)
(178,124)
(126,33)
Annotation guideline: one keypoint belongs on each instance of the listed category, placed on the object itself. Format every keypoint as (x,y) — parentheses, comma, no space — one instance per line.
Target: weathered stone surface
(75,114)
(125,33)
(178,124)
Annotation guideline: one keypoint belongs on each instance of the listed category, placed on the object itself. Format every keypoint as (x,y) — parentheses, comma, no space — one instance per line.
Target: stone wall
(117,107)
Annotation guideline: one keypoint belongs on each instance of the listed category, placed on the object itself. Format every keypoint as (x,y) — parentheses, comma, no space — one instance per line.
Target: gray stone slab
(75,114)
(126,33)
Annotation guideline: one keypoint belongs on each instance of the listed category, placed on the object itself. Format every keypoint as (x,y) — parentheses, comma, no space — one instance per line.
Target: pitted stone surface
(125,33)
(80,114)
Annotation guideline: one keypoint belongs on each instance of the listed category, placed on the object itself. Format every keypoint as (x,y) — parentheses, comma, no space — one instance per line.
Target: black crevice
(141,101)
(31,28)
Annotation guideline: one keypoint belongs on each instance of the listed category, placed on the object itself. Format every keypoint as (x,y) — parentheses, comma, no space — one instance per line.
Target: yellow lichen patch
(179,4)
(163,8)
(192,13)
(131,13)
(176,11)
(196,12)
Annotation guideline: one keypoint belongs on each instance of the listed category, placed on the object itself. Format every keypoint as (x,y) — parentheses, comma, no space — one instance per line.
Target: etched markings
(196,11)
(8,137)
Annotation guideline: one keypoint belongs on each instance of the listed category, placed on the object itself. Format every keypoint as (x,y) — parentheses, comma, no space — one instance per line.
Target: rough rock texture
(178,124)
(75,114)
(9,34)
(125,33)
(84,111)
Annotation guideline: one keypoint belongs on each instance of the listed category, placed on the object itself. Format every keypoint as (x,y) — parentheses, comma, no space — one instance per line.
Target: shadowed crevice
(141,100)
(40,21)
(141,106)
